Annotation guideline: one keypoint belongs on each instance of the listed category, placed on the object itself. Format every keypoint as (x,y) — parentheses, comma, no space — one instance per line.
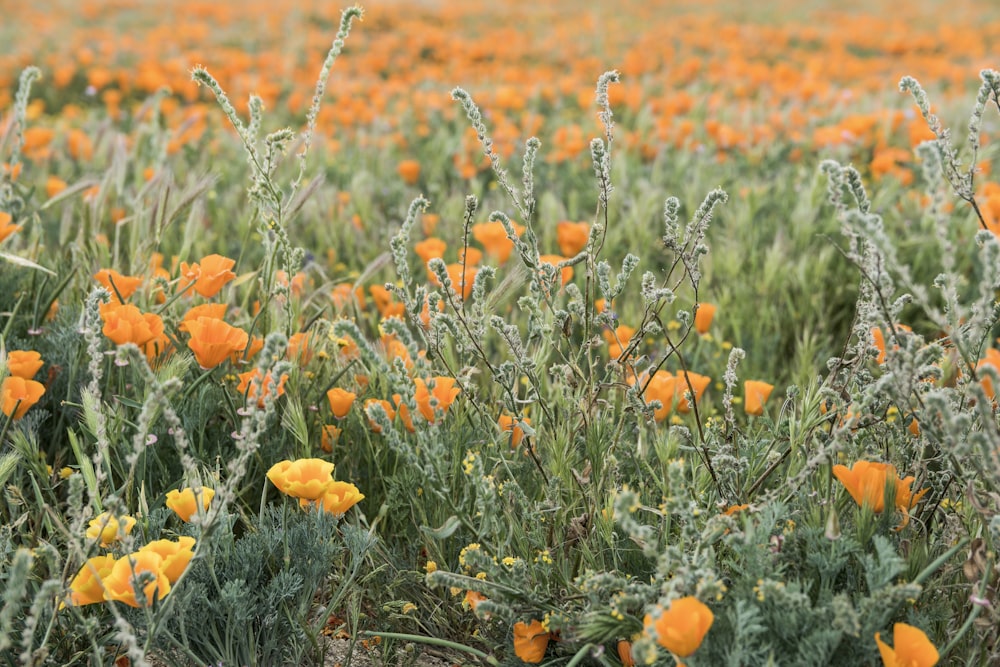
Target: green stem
(433,641)
(194,385)
(580,655)
(976,610)
(941,560)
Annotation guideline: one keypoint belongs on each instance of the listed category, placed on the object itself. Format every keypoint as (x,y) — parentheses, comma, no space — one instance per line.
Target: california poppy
(493,237)
(755,394)
(24,363)
(681,627)
(117,284)
(208,276)
(511,425)
(341,401)
(429,249)
(338,498)
(444,392)
(108,528)
(866,481)
(992,359)
(530,641)
(306,479)
(618,340)
(87,587)
(911,648)
(879,338)
(703,317)
(215,311)
(330,435)
(17,395)
(566,273)
(572,237)
(53,186)
(213,341)
(175,555)
(248,386)
(184,502)
(409,171)
(386,405)
(127,324)
(6,226)
(119,585)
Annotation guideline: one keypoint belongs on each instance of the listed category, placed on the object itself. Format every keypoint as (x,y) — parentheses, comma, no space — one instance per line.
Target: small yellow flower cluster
(463,554)
(468,463)
(544,557)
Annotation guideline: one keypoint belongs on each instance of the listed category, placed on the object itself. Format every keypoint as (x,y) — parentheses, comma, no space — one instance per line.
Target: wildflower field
(468,333)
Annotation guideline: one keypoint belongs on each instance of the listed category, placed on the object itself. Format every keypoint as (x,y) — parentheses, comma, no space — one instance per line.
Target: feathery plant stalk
(10,200)
(24,83)
(272,204)
(346,18)
(962,179)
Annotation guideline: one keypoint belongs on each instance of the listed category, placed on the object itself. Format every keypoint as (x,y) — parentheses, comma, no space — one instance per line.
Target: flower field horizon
(537,333)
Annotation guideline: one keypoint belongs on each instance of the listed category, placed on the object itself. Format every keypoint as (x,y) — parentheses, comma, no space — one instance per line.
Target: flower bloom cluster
(136,579)
(311,481)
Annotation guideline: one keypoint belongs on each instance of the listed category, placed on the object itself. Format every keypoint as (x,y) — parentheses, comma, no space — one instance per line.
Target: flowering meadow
(468,333)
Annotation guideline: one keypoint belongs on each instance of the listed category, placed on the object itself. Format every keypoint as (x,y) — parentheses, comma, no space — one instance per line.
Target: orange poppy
(127,324)
(119,585)
(755,394)
(472,600)
(670,390)
(385,302)
(248,388)
(213,340)
(572,237)
(24,363)
(341,401)
(493,237)
(530,641)
(298,347)
(53,186)
(703,318)
(409,171)
(404,413)
(509,424)
(681,627)
(866,481)
(470,256)
(328,437)
(117,284)
(338,498)
(879,339)
(618,339)
(184,502)
(87,587)
(208,276)
(435,401)
(911,648)
(176,555)
(6,226)
(213,310)
(429,249)
(306,479)
(991,359)
(17,395)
